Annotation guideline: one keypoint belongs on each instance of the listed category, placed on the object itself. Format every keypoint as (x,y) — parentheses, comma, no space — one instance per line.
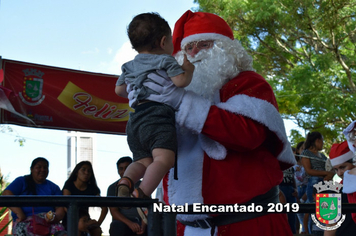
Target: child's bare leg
(163,161)
(134,172)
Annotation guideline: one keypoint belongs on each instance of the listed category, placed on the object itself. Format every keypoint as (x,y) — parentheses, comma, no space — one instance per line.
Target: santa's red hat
(340,153)
(195,26)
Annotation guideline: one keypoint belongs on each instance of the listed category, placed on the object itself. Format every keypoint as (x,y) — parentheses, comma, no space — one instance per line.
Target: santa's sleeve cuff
(193,111)
(349,183)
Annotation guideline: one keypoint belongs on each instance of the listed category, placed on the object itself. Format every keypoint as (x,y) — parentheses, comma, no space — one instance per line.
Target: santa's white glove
(168,93)
(192,108)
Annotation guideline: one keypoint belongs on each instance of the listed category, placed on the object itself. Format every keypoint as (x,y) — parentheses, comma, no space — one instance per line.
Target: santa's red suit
(230,150)
(248,163)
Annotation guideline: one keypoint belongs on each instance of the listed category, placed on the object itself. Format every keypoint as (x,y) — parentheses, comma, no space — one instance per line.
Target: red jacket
(230,152)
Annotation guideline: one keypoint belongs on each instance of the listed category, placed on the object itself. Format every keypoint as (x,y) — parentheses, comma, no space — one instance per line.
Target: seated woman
(35,183)
(82,182)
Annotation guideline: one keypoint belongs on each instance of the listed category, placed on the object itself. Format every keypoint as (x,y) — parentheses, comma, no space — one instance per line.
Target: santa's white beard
(215,66)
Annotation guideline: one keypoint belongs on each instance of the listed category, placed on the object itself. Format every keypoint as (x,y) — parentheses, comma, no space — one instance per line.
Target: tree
(306,50)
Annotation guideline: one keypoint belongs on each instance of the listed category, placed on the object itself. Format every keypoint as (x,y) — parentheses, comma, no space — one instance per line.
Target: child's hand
(187,66)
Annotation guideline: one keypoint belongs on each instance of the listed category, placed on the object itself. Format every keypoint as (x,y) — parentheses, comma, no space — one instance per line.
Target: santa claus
(232,144)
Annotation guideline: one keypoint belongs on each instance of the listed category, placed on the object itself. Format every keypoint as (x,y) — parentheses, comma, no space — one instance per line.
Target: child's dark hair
(146,31)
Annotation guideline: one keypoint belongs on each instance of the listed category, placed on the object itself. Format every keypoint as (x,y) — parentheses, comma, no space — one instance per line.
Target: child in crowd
(315,230)
(301,181)
(151,132)
(83,223)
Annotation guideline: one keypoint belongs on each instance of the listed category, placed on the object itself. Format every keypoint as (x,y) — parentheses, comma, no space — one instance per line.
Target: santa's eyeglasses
(202,44)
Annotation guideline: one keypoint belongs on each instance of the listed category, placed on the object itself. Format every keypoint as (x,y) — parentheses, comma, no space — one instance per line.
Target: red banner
(65,99)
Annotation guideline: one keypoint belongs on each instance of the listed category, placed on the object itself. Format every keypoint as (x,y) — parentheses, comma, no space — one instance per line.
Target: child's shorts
(151,126)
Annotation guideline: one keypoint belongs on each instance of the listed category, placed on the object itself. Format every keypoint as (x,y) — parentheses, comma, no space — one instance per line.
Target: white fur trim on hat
(341,159)
(204,36)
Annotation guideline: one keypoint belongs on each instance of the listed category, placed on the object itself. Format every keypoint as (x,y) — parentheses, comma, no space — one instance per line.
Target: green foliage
(3,212)
(306,49)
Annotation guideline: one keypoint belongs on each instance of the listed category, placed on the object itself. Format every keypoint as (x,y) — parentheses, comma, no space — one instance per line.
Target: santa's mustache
(201,55)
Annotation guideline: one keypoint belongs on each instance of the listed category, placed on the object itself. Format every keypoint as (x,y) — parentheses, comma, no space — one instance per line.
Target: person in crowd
(301,181)
(342,160)
(289,189)
(314,162)
(228,127)
(312,228)
(82,182)
(125,222)
(83,223)
(151,132)
(36,183)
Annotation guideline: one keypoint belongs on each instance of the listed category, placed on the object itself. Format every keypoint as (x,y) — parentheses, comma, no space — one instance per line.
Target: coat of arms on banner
(328,205)
(32,87)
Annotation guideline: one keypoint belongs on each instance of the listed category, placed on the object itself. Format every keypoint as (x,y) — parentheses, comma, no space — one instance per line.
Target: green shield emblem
(33,89)
(328,207)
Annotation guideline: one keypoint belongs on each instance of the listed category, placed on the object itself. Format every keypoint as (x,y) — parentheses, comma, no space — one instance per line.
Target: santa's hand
(168,93)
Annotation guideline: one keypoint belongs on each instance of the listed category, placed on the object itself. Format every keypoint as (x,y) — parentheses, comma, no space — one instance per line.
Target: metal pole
(169,224)
(72,219)
(154,227)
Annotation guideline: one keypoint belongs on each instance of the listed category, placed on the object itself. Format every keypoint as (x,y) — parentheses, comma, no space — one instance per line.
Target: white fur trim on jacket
(212,148)
(190,174)
(349,183)
(264,113)
(193,111)
(192,114)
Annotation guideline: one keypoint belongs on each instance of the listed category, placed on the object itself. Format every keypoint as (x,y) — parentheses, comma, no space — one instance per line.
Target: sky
(88,35)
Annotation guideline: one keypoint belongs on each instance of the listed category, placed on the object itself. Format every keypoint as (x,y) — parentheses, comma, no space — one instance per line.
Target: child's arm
(183,80)
(121,90)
